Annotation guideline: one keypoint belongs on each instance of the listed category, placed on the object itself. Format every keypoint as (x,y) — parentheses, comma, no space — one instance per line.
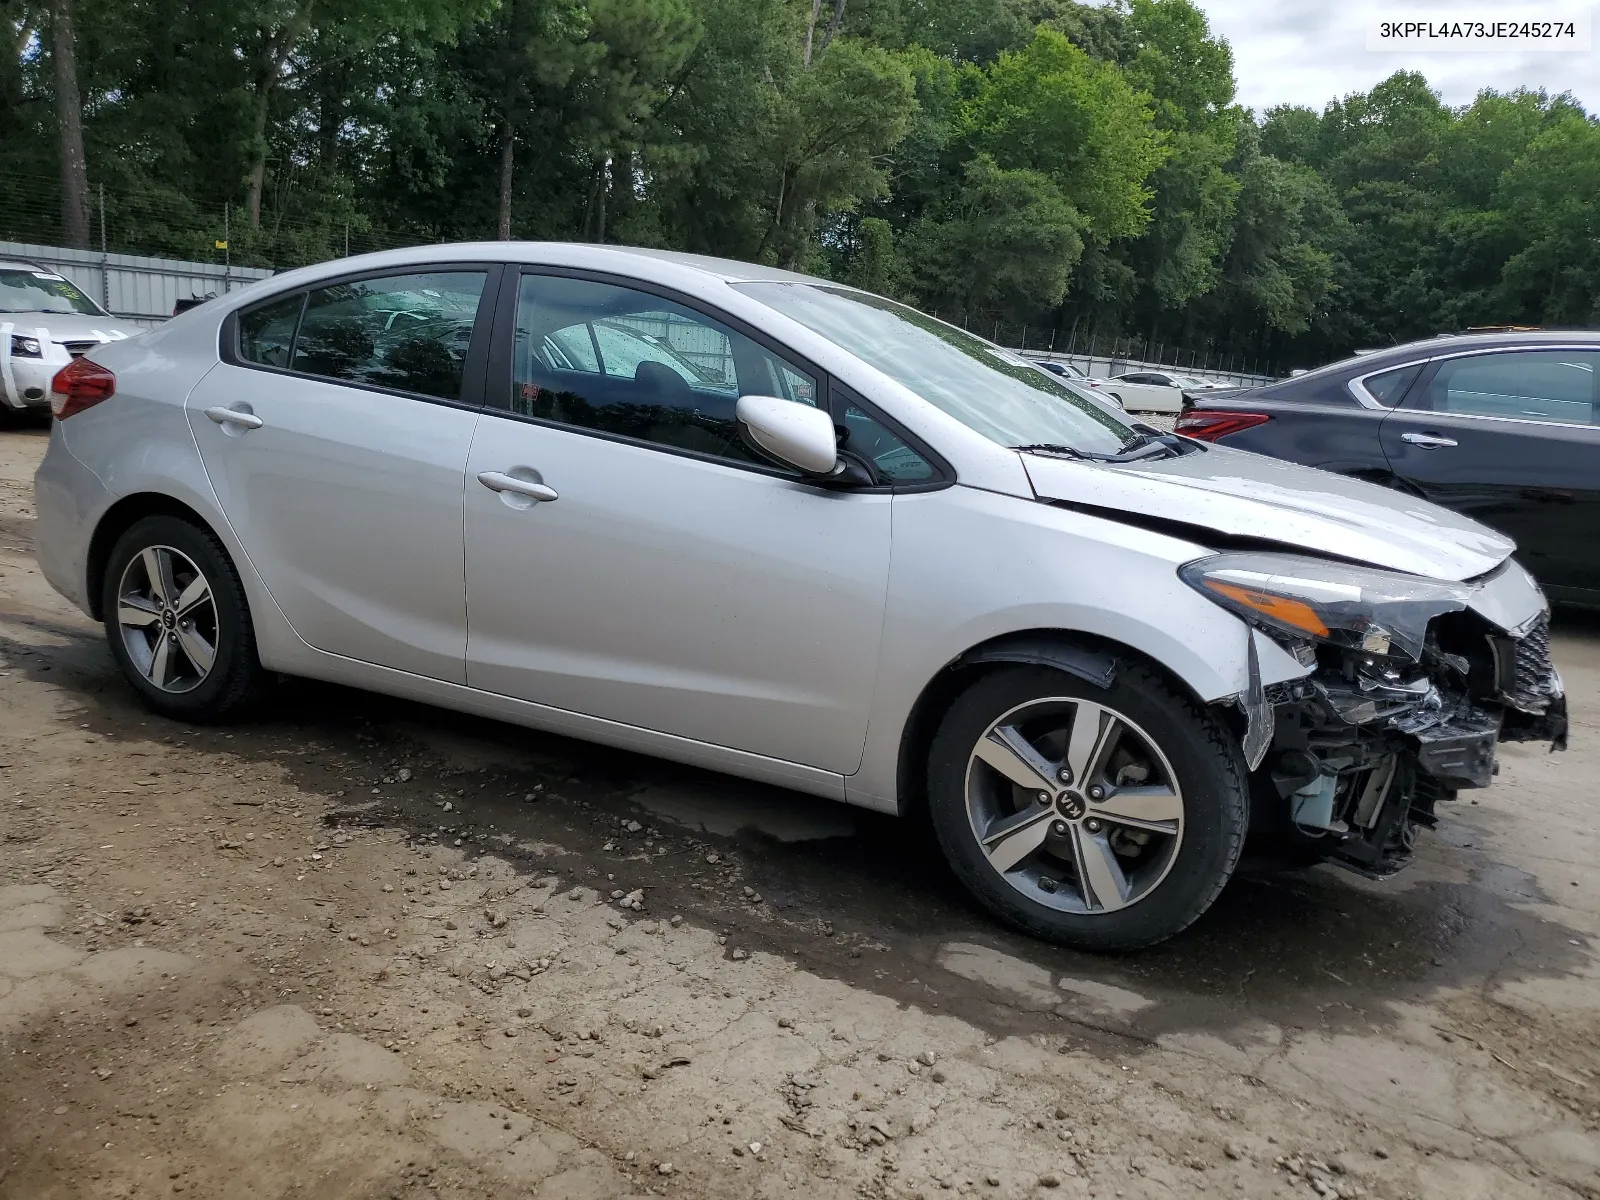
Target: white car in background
(1153,391)
(45,323)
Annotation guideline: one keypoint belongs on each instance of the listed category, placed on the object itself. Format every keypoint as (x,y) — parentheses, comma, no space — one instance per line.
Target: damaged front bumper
(1354,755)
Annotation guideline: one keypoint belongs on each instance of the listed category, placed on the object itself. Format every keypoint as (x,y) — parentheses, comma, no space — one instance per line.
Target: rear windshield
(26,291)
(992,391)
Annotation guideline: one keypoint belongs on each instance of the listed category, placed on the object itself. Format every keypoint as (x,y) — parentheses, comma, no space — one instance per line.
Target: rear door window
(266,334)
(407,332)
(1558,386)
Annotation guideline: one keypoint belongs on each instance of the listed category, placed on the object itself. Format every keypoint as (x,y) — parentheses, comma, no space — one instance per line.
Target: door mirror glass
(795,434)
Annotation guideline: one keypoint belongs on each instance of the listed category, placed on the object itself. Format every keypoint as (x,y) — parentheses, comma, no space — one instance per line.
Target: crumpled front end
(1405,701)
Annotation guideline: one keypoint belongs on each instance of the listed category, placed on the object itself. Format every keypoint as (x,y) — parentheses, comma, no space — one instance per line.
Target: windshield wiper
(1145,439)
(1050,448)
(1146,443)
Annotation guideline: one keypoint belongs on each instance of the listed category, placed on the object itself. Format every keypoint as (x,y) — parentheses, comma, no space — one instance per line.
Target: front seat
(676,422)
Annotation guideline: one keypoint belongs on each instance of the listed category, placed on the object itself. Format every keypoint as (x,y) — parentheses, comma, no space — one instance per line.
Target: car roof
(662,266)
(727,269)
(19,264)
(1370,361)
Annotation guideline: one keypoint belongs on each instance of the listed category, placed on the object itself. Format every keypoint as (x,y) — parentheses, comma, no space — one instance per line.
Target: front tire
(1102,818)
(178,622)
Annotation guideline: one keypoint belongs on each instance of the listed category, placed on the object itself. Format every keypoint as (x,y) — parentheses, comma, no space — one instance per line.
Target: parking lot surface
(359,947)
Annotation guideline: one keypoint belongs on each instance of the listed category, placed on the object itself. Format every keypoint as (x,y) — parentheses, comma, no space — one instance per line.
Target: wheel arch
(1091,657)
(117,520)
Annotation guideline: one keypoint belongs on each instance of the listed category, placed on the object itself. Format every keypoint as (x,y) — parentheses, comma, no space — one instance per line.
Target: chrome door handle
(498,481)
(1428,441)
(232,416)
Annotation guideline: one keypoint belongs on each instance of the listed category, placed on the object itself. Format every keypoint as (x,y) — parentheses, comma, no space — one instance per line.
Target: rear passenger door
(335,432)
(1511,438)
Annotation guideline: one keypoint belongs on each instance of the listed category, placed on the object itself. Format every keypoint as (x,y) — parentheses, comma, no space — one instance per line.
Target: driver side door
(669,580)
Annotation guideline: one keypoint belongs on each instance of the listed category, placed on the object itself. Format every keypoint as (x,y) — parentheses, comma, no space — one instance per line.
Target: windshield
(998,394)
(24,290)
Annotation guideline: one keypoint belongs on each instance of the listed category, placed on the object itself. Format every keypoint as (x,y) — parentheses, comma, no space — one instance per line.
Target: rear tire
(178,622)
(1101,818)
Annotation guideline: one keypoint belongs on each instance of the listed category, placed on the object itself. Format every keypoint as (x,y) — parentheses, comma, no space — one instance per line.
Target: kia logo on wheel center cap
(1071,805)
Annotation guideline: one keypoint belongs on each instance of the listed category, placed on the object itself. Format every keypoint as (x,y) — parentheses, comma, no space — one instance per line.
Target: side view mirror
(795,434)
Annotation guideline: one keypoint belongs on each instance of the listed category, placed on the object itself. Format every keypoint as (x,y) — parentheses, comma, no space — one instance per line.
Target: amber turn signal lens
(1295,613)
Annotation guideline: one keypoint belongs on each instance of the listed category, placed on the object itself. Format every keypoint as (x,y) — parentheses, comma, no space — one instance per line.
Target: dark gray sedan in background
(1503,427)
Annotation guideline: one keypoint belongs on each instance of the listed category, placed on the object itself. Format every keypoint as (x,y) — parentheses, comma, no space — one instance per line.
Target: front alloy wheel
(1105,818)
(1074,805)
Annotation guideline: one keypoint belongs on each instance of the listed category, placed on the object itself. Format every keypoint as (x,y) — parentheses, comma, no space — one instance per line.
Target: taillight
(1210,424)
(79,385)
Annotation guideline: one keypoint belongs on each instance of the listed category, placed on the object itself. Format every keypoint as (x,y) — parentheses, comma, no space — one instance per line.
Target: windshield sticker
(49,276)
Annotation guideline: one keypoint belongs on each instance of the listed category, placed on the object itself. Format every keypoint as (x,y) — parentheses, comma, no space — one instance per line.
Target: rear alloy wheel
(1104,818)
(167,616)
(177,621)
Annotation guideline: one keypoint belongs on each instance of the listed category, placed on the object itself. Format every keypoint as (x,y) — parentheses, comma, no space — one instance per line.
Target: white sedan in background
(786,529)
(45,323)
(1153,391)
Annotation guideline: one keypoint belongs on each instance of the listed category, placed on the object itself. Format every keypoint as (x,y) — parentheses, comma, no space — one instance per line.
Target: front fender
(970,567)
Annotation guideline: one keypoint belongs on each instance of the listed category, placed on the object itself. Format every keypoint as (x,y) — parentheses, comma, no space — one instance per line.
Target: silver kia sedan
(799,533)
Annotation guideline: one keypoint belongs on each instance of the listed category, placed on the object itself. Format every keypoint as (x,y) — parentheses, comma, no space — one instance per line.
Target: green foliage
(1056,163)
(1004,244)
(1051,108)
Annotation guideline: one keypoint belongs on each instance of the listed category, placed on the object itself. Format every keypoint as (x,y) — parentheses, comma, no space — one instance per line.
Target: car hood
(1242,495)
(70,327)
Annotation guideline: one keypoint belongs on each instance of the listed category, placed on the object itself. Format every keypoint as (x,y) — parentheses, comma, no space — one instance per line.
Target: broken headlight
(1360,608)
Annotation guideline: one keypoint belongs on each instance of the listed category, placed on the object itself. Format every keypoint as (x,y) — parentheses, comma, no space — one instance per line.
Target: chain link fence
(1100,353)
(172,226)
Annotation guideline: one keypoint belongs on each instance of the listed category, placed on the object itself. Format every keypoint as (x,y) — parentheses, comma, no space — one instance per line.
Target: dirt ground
(363,948)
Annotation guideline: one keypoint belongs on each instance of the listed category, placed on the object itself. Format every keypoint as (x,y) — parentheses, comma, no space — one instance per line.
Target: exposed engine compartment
(1368,743)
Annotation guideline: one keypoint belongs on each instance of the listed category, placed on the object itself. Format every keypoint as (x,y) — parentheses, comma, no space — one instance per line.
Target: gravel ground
(362,948)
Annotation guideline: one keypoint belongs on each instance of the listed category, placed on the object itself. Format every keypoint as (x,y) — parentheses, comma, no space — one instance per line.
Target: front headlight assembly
(23,346)
(1364,609)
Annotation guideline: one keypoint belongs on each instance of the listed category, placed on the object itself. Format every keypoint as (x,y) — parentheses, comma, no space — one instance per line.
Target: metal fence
(1102,367)
(138,289)
(1099,354)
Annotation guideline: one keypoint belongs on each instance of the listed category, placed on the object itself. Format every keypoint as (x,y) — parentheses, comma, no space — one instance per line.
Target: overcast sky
(1313,51)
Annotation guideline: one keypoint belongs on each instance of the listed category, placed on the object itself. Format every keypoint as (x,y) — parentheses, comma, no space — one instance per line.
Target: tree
(1051,108)
(269,32)
(830,121)
(1005,245)
(525,48)
(69,124)
(639,46)
(1552,195)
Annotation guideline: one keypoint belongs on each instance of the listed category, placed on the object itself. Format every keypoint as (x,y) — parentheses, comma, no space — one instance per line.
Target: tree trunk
(333,87)
(69,123)
(602,180)
(833,25)
(508,162)
(811,28)
(274,54)
(258,159)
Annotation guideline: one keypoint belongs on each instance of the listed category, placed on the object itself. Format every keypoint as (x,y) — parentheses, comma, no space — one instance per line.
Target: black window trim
(473,370)
(1421,386)
(497,400)
(1364,397)
(943,473)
